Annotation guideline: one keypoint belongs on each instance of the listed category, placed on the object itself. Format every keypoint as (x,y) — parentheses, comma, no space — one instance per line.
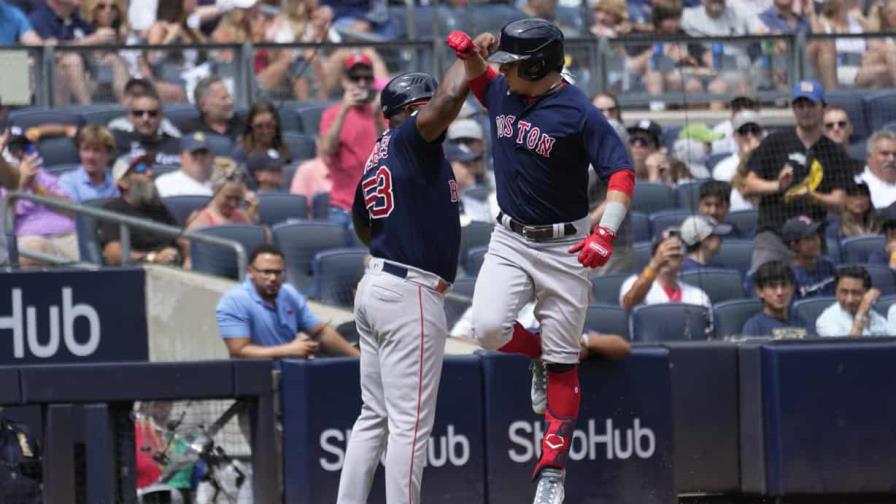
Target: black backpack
(20,465)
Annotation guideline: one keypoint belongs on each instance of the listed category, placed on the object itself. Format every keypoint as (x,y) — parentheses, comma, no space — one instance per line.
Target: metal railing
(125,222)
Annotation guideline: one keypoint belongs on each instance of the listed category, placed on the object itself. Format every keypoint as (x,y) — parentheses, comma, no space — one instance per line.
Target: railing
(125,223)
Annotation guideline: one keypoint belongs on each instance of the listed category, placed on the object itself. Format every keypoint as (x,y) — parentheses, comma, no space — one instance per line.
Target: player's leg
(503,286)
(368,437)
(412,364)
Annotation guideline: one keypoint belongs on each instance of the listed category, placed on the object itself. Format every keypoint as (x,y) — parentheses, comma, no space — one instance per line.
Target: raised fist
(462,44)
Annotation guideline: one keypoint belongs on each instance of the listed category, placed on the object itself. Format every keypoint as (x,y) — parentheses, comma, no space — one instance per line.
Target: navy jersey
(408,197)
(542,151)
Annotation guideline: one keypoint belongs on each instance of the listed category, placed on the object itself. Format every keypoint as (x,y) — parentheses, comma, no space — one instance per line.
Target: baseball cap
(699,131)
(810,89)
(465,128)
(131,162)
(460,152)
(268,160)
(799,227)
(17,138)
(745,117)
(355,59)
(194,142)
(697,228)
(654,130)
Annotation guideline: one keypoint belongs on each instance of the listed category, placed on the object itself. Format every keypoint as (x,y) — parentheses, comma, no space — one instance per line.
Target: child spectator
(814,273)
(774,283)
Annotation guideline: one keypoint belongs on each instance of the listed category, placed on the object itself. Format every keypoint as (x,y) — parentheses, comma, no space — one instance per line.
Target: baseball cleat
(550,486)
(539,386)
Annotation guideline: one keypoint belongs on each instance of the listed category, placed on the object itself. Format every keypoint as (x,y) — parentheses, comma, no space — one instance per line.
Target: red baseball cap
(358,59)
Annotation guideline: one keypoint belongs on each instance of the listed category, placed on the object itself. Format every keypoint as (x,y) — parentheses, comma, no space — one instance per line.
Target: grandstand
(664,62)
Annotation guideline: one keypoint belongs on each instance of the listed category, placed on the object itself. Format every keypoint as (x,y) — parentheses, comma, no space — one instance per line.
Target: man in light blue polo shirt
(265,318)
(15,27)
(92,179)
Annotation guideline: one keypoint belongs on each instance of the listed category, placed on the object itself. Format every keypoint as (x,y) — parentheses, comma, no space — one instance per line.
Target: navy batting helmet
(405,89)
(535,42)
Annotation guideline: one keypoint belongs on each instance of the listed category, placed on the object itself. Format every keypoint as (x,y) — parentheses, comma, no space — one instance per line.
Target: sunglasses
(141,113)
(640,142)
(749,129)
(360,77)
(838,124)
(140,168)
(608,110)
(264,125)
(106,6)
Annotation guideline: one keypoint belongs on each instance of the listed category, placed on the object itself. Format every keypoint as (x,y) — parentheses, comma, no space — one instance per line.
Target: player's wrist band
(613,215)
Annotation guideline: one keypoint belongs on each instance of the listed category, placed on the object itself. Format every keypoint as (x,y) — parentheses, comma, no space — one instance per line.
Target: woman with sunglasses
(227,204)
(263,132)
(109,14)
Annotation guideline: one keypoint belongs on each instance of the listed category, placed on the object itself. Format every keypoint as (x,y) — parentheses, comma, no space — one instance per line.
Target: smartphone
(371,94)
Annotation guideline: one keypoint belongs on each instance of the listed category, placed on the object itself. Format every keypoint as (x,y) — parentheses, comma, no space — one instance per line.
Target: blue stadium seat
(649,197)
(308,116)
(58,150)
(347,330)
(221,261)
(642,254)
(880,108)
(605,288)
(730,316)
(182,206)
(301,146)
(458,299)
(883,304)
(810,308)
(289,171)
(102,113)
(300,242)
(735,254)
(834,252)
(856,250)
(687,195)
(851,101)
(474,258)
(320,206)
(890,126)
(336,274)
(447,18)
(219,145)
(882,277)
(572,17)
(475,234)
(670,322)
(289,119)
(464,286)
(664,219)
(745,221)
(274,208)
(719,284)
(607,319)
(491,17)
(858,150)
(640,226)
(27,118)
(85,226)
(180,113)
(669,136)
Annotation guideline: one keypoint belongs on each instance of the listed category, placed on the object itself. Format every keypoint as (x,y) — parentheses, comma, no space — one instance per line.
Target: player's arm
(595,250)
(473,53)
(442,109)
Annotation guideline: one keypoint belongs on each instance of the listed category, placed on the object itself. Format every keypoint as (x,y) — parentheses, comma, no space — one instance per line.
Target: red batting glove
(462,44)
(595,250)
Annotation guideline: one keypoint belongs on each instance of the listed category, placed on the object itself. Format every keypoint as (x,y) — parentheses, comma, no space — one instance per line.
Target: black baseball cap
(799,227)
(652,129)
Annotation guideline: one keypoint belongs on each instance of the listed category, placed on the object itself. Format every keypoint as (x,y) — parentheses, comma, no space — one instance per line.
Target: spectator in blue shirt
(265,318)
(92,180)
(780,19)
(775,284)
(702,237)
(814,274)
(59,22)
(15,28)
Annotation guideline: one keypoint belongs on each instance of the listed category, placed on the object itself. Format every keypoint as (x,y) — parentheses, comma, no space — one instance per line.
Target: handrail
(125,222)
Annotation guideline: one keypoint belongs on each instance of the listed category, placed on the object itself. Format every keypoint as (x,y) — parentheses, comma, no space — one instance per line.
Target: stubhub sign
(67,316)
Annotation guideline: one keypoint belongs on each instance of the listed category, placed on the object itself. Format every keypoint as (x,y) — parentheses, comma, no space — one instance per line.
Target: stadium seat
(182,206)
(719,284)
(573,17)
(221,261)
(349,331)
(650,197)
(736,254)
(858,150)
(58,170)
(883,304)
(882,277)
(745,221)
(491,17)
(308,116)
(713,159)
(642,254)
(834,252)
(687,195)
(289,119)
(890,126)
(607,319)
(458,299)
(605,288)
(301,146)
(475,234)
(300,242)
(86,228)
(669,136)
(447,18)
(102,113)
(880,109)
(850,101)
(180,114)
(320,206)
(670,322)
(731,315)
(336,274)
(810,308)
(27,118)
(219,145)
(58,150)
(662,220)
(856,250)
(640,226)
(274,208)
(289,171)
(474,258)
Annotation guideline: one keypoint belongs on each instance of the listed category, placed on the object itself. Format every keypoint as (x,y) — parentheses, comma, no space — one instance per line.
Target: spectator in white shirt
(658,281)
(852,314)
(880,173)
(194,176)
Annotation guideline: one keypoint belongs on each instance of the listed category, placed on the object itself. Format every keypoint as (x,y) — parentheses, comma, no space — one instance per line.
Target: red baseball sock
(560,418)
(523,342)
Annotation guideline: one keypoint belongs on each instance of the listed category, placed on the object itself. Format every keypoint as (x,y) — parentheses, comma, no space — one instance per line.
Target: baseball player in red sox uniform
(546,133)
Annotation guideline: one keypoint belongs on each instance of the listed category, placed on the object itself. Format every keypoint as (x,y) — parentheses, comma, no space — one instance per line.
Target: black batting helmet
(536,42)
(405,89)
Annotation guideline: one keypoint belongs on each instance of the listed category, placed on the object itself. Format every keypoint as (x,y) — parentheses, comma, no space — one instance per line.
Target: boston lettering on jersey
(408,197)
(543,149)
